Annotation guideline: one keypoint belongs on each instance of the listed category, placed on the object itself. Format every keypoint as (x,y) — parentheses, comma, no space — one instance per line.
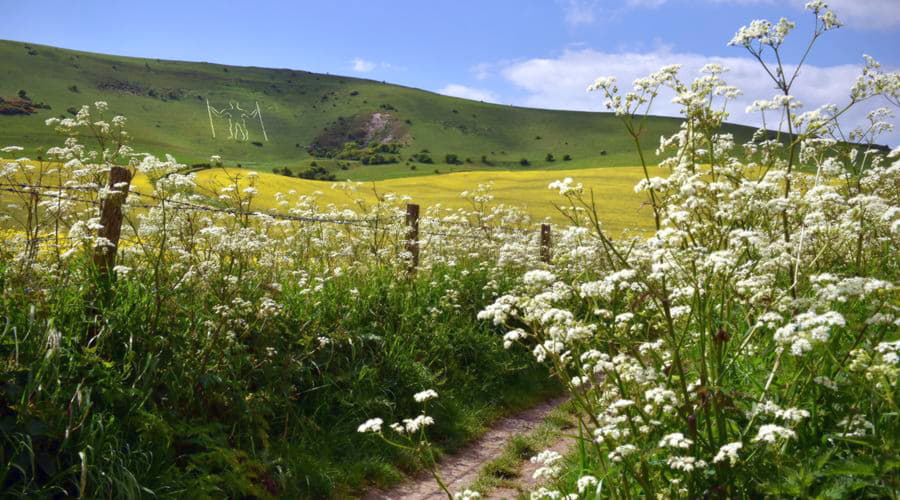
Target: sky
(537,53)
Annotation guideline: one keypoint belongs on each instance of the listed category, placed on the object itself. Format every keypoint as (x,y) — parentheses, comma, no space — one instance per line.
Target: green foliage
(316,173)
(422,157)
(142,401)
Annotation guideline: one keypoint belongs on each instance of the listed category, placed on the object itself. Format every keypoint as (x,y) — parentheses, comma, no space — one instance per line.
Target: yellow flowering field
(620,207)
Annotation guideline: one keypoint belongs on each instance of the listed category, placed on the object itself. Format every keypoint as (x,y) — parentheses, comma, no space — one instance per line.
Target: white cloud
(481,71)
(560,83)
(645,3)
(862,14)
(857,14)
(474,94)
(362,66)
(585,12)
(579,12)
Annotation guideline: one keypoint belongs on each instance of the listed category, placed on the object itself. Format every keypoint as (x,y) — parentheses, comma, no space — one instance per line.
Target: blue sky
(539,53)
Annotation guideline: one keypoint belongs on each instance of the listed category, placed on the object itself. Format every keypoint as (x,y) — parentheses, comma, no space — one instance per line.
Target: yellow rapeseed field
(620,207)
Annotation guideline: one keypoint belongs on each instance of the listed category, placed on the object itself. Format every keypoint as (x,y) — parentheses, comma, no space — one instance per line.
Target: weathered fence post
(111,219)
(412,235)
(545,243)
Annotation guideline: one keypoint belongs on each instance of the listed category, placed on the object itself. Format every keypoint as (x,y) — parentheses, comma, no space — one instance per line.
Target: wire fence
(433,226)
(48,191)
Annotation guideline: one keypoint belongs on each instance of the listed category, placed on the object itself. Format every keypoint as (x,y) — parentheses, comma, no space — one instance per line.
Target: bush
(452,159)
(549,157)
(73,88)
(567,158)
(422,157)
(524,162)
(317,173)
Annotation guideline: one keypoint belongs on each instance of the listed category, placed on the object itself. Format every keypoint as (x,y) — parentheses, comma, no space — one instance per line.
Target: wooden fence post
(111,219)
(545,243)
(412,235)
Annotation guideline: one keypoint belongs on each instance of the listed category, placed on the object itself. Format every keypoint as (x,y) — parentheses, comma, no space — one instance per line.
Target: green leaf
(852,467)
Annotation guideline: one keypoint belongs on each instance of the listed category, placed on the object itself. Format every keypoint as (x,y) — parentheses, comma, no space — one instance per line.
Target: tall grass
(229,353)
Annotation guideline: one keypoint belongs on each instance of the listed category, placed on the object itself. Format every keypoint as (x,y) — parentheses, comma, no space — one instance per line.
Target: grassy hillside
(166,104)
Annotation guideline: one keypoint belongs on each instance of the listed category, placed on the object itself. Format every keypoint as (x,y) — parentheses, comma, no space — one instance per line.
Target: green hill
(272,118)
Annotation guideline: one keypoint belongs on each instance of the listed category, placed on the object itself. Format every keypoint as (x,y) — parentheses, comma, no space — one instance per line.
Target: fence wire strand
(369,222)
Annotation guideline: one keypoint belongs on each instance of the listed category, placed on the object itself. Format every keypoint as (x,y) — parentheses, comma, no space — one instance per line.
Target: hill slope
(265,118)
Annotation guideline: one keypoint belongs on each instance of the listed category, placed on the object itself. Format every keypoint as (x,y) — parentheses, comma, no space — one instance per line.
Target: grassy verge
(181,395)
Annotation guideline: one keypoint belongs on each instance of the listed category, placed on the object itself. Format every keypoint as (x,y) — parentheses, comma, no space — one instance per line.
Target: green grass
(504,470)
(165,102)
(161,401)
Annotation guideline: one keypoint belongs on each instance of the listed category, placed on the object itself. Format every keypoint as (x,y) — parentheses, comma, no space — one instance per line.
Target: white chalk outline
(237,130)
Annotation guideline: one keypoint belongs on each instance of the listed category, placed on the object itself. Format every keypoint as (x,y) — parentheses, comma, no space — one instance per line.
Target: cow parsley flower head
(423,396)
(603,82)
(566,186)
(771,433)
(585,482)
(728,452)
(420,422)
(371,425)
(686,464)
(675,440)
(551,466)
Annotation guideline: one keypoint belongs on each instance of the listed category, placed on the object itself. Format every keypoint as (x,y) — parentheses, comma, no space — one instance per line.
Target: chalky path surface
(461,469)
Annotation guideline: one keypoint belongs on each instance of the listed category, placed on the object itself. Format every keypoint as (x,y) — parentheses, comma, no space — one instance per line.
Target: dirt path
(525,482)
(462,468)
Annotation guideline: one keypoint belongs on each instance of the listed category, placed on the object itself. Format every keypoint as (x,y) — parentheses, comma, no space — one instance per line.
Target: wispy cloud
(857,14)
(585,12)
(579,12)
(482,71)
(361,65)
(867,14)
(465,92)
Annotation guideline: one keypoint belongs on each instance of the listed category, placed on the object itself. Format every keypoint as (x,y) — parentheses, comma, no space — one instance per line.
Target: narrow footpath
(461,469)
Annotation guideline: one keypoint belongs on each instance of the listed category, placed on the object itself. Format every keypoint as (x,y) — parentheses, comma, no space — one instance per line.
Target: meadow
(725,323)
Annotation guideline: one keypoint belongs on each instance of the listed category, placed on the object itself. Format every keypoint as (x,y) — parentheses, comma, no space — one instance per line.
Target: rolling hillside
(272,118)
